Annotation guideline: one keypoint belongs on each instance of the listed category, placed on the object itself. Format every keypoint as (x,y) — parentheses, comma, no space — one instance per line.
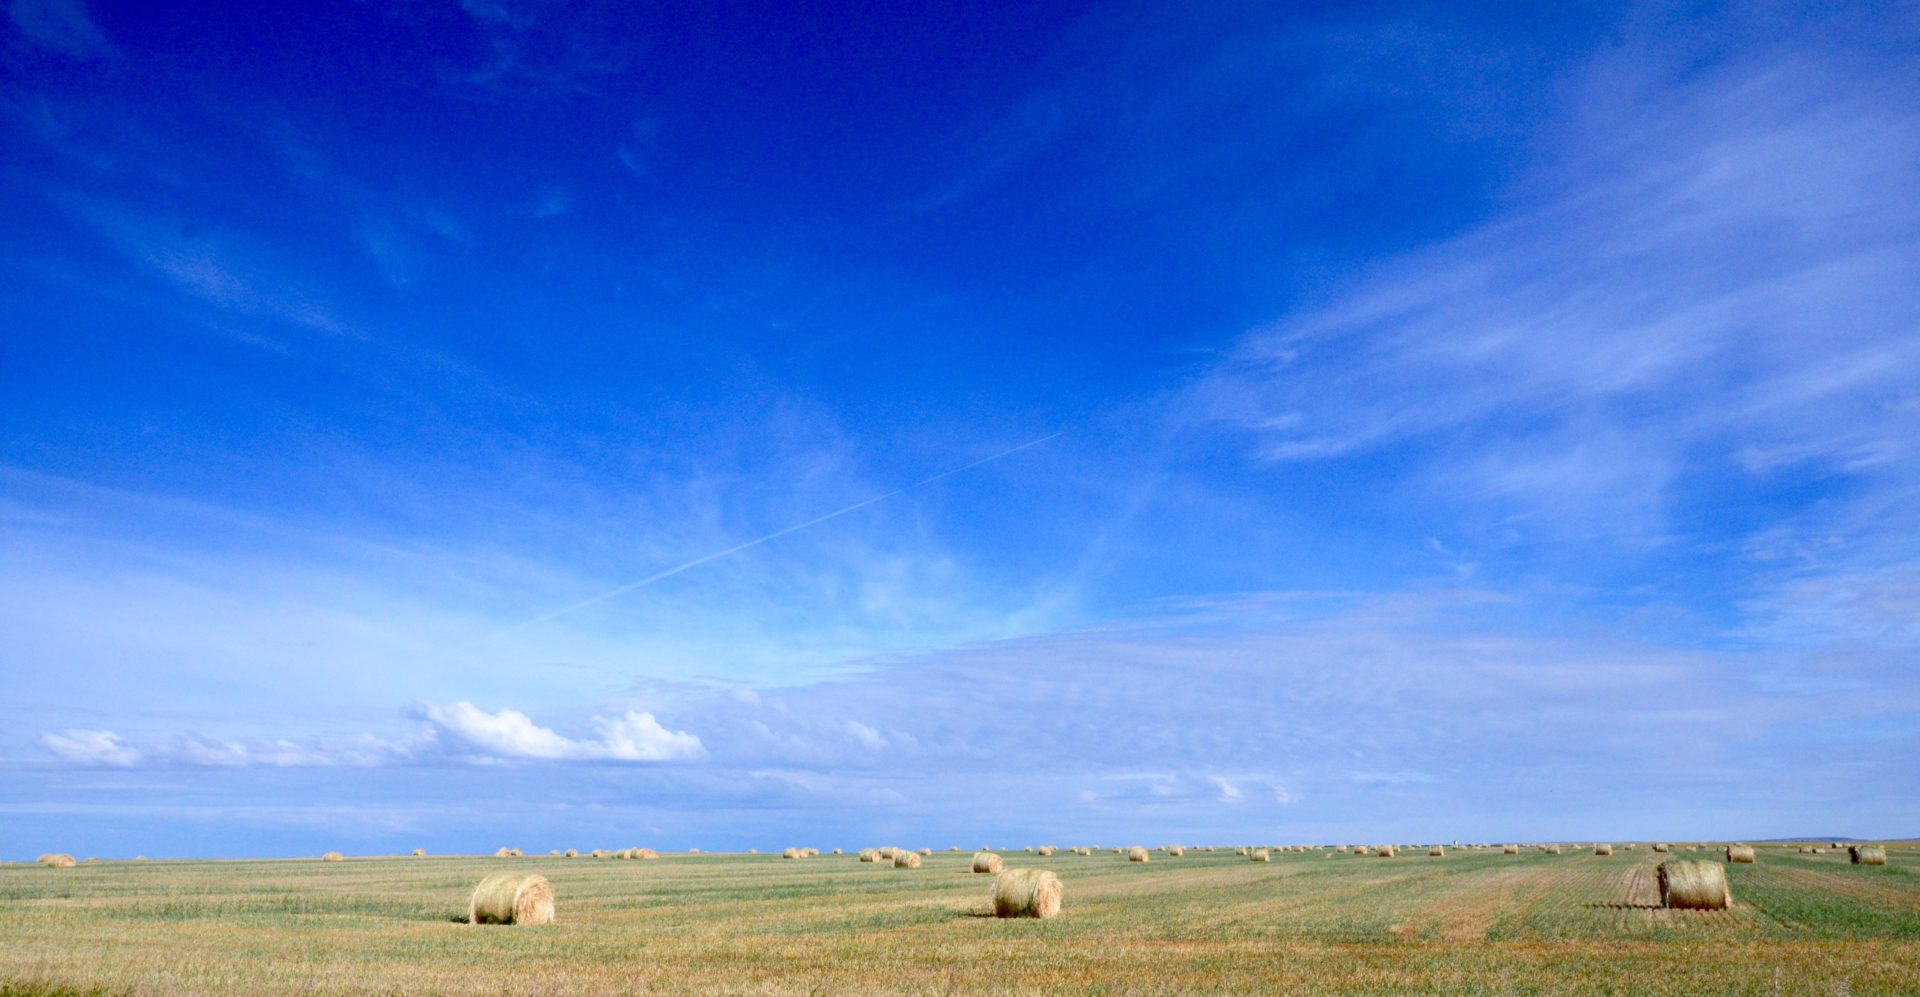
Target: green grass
(1473,922)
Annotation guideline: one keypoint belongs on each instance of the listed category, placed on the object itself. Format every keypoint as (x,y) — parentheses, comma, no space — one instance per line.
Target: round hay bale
(1867,854)
(1259,855)
(906,860)
(571,853)
(1509,849)
(1740,853)
(1690,884)
(986,862)
(869,855)
(504,853)
(1386,851)
(333,857)
(645,853)
(1026,893)
(837,851)
(926,851)
(511,898)
(888,852)
(1240,850)
(1044,851)
(58,860)
(792,853)
(1661,846)
(1551,849)
(1137,854)
(1176,851)
(419,853)
(1359,849)
(1606,850)
(1436,852)
(601,853)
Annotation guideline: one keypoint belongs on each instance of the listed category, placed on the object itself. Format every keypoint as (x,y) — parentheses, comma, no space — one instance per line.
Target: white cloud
(1229,793)
(638,737)
(508,733)
(90,747)
(867,736)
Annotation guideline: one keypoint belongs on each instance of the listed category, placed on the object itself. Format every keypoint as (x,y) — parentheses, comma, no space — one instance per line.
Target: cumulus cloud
(90,747)
(471,735)
(508,733)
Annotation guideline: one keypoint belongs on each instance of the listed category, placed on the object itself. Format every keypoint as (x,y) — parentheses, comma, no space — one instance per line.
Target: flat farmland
(1314,922)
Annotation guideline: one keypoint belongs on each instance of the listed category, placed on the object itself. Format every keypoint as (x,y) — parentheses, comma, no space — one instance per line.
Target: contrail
(775,535)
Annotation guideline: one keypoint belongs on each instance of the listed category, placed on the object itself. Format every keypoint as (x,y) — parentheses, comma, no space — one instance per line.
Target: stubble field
(1211,922)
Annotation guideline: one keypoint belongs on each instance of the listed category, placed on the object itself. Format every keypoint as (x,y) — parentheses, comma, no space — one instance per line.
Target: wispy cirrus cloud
(1709,270)
(61,25)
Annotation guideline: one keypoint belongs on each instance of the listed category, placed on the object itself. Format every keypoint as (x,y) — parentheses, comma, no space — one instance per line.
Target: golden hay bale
(1436,852)
(1044,850)
(1867,854)
(139,858)
(1690,884)
(511,898)
(1661,846)
(1740,853)
(1386,851)
(1360,849)
(792,853)
(504,853)
(333,857)
(1551,849)
(1509,849)
(571,853)
(58,860)
(1176,851)
(986,862)
(926,851)
(1137,854)
(1240,850)
(869,855)
(601,853)
(1259,855)
(1026,893)
(838,852)
(419,853)
(693,851)
(888,852)
(906,860)
(1606,850)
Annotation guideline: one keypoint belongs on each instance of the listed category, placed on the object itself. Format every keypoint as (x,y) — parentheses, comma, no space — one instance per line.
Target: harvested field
(1213,922)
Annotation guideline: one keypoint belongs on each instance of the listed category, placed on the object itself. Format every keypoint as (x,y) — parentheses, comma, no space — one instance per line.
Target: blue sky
(723,428)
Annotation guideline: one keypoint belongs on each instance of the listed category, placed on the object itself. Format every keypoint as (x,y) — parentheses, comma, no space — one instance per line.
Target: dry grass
(1480,922)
